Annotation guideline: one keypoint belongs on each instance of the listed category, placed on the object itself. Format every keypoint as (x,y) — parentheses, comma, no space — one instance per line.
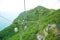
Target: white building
(16,29)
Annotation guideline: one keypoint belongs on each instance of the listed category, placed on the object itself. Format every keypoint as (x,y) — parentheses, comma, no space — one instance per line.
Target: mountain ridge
(30,23)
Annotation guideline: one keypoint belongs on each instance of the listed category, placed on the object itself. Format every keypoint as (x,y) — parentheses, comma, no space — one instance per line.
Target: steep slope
(30,23)
(54,19)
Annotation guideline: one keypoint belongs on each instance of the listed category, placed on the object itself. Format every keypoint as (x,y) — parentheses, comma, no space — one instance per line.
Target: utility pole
(21,33)
(24,5)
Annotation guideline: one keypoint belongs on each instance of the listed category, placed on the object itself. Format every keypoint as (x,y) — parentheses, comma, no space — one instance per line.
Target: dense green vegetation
(31,22)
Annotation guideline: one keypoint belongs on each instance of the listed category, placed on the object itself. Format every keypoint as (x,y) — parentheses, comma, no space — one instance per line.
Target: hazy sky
(12,8)
(18,5)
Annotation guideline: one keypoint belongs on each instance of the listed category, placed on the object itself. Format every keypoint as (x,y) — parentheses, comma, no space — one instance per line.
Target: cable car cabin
(40,37)
(51,27)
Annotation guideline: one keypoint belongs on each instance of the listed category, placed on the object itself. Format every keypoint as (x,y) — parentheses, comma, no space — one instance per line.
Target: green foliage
(36,21)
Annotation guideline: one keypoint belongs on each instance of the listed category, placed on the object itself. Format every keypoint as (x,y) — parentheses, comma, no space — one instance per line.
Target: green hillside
(33,22)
